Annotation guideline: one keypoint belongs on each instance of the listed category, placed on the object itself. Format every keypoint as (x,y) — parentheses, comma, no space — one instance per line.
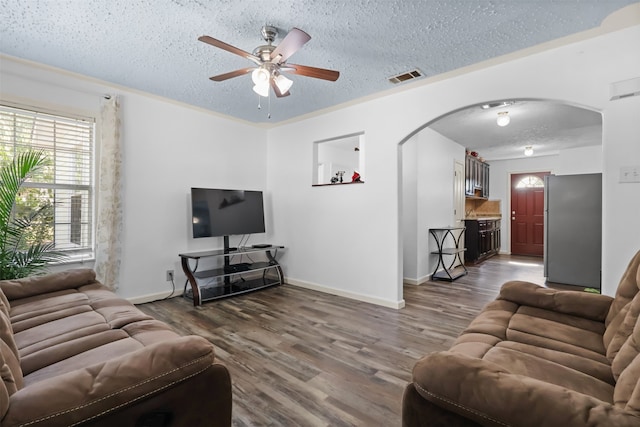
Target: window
(65,183)
(530,181)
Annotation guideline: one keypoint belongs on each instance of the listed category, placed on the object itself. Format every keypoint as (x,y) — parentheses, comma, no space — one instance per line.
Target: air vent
(497,104)
(410,75)
(624,89)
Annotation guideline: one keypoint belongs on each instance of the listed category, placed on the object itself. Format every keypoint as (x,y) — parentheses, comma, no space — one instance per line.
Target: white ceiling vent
(409,75)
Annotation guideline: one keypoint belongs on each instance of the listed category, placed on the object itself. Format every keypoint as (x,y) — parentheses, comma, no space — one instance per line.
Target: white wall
(168,148)
(361,255)
(434,157)
(621,201)
(566,162)
(580,160)
(410,210)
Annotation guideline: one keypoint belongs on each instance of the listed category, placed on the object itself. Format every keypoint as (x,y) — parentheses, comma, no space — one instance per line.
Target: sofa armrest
(36,285)
(102,390)
(581,304)
(489,395)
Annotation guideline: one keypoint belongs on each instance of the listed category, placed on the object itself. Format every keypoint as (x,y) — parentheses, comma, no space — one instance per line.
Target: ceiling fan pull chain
(269,98)
(259,106)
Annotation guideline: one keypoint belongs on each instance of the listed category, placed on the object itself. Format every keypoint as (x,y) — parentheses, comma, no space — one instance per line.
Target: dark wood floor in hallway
(303,358)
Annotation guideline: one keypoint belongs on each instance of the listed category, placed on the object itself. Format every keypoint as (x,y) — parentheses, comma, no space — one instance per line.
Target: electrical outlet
(169,276)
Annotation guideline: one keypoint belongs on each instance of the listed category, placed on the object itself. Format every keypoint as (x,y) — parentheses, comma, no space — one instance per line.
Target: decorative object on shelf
(338,177)
(355,177)
(503,118)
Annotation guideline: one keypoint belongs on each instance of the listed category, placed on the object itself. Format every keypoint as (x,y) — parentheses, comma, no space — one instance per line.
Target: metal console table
(450,271)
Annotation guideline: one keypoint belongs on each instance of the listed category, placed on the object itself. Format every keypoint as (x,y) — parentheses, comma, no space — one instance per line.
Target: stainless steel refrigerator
(573,229)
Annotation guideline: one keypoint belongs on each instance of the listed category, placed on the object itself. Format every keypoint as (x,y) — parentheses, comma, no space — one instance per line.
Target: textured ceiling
(546,126)
(151,45)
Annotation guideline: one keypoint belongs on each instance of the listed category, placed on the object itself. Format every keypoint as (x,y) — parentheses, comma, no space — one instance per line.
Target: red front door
(527,213)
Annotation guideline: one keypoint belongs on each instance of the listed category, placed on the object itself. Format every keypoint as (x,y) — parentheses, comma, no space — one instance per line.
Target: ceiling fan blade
(231,74)
(317,73)
(225,46)
(276,89)
(294,40)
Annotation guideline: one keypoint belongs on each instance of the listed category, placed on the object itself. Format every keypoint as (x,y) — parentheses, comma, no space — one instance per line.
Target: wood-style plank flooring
(304,358)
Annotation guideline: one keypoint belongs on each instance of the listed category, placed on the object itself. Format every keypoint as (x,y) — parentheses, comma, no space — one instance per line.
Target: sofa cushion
(599,369)
(627,288)
(579,304)
(628,353)
(624,330)
(612,329)
(38,285)
(627,392)
(49,304)
(531,366)
(11,368)
(6,334)
(4,303)
(532,326)
(97,355)
(54,328)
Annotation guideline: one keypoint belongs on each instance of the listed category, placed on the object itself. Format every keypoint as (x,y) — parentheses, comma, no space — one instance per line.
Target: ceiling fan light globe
(260,76)
(528,150)
(262,89)
(283,83)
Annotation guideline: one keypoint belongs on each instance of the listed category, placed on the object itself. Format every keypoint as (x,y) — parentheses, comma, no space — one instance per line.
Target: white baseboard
(142,299)
(346,294)
(416,282)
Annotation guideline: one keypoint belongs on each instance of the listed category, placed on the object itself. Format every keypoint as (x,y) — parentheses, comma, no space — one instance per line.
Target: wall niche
(339,160)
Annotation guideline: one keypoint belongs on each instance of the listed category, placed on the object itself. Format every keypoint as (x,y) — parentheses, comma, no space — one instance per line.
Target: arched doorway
(558,134)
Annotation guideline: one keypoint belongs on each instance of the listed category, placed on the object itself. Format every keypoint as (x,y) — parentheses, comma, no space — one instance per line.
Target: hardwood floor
(305,358)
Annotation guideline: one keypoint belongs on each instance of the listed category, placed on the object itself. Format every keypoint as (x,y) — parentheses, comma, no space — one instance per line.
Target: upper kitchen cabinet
(476,178)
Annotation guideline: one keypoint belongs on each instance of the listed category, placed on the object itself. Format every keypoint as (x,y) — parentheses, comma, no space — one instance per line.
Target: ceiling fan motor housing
(264,52)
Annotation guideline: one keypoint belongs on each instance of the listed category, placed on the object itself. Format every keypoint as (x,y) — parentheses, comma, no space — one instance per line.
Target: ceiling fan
(271,62)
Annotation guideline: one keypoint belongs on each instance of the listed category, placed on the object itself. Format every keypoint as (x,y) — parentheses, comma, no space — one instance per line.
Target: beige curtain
(109,195)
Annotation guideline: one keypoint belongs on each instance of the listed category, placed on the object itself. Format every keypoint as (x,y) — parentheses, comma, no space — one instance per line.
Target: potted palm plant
(25,250)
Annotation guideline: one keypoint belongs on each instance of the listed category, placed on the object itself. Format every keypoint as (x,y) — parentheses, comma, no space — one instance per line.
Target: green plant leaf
(19,258)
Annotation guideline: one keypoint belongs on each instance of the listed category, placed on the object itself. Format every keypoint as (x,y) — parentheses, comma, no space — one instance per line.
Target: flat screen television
(218,212)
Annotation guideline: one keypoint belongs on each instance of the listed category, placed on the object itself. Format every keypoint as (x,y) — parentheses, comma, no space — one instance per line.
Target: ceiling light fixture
(283,83)
(503,118)
(262,89)
(528,150)
(260,77)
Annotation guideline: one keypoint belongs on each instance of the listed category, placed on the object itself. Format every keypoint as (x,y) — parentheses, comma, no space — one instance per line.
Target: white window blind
(65,183)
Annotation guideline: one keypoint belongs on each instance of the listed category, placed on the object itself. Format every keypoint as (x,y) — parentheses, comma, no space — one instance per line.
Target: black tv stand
(231,278)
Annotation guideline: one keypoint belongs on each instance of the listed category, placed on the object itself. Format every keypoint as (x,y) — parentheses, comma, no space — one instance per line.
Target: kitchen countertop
(481,218)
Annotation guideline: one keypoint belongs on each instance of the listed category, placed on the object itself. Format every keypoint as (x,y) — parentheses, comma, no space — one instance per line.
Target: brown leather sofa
(73,353)
(537,357)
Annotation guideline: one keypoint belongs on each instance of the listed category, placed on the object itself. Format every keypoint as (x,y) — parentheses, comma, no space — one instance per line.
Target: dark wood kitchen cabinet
(476,183)
(482,239)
